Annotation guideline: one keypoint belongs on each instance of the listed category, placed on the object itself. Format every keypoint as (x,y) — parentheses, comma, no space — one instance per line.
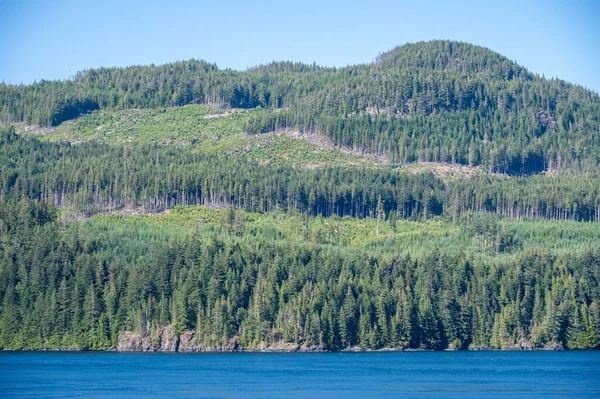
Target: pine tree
(429,334)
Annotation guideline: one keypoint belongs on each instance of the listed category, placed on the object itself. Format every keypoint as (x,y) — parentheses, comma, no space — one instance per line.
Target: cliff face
(132,342)
(167,341)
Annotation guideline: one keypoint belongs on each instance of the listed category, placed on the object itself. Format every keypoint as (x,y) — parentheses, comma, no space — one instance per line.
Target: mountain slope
(214,230)
(434,101)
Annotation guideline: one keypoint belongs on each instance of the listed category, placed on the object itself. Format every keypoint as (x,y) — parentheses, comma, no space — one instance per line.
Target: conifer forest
(440,197)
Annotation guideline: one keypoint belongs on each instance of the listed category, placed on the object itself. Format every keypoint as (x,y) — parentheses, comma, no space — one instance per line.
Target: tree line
(92,177)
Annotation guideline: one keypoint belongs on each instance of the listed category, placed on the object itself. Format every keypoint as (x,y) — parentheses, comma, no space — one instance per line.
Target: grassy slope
(202,129)
(208,130)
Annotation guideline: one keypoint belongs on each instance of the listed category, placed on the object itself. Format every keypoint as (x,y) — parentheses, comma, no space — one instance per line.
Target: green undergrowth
(198,127)
(480,235)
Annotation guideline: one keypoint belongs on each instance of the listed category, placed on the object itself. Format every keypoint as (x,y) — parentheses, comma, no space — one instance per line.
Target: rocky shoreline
(165,340)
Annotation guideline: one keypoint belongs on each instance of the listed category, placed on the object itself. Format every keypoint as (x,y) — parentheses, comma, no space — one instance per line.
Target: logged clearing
(447,169)
(216,131)
(205,130)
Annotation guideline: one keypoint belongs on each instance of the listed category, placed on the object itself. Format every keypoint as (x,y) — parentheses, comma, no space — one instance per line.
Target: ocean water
(313,375)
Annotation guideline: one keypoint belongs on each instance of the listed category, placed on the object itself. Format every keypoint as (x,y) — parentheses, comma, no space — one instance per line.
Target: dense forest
(125,225)
(90,177)
(81,285)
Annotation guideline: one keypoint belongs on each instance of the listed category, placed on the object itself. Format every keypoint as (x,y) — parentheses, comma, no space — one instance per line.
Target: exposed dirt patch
(36,129)
(67,214)
(323,143)
(225,113)
(447,169)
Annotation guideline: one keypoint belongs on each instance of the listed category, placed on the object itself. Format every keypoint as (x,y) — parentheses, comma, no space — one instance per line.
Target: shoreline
(280,350)
(166,340)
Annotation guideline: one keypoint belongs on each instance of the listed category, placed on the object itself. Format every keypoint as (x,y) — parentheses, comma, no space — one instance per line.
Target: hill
(437,101)
(441,197)
(198,279)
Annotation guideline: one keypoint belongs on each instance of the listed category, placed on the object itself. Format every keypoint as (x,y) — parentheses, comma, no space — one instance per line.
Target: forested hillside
(439,197)
(218,276)
(438,101)
(91,177)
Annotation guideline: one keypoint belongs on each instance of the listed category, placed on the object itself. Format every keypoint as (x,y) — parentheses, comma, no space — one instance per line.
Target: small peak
(453,56)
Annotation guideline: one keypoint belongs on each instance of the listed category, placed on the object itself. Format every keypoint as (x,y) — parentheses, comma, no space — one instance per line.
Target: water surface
(314,375)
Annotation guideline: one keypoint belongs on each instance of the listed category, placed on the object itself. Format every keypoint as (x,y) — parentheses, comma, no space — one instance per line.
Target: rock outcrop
(132,342)
(522,345)
(285,347)
(553,347)
(166,340)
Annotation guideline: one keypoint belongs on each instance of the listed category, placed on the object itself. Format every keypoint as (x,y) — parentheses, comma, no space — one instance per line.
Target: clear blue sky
(55,39)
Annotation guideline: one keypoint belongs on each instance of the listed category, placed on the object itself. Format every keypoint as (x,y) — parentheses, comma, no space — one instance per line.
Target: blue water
(313,375)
